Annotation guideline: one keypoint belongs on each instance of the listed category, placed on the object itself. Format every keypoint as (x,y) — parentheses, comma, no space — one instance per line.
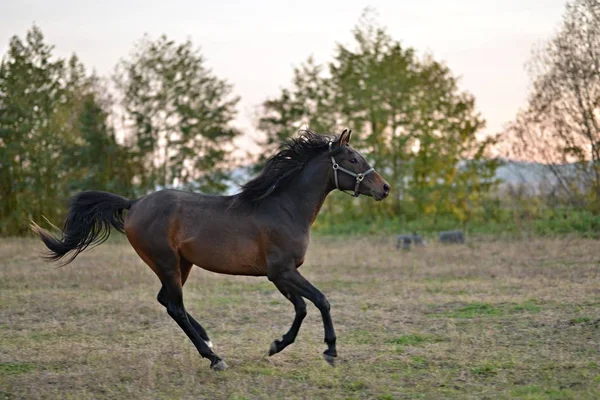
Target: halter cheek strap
(359,177)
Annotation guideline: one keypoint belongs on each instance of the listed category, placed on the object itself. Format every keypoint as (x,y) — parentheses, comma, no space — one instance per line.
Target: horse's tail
(90,217)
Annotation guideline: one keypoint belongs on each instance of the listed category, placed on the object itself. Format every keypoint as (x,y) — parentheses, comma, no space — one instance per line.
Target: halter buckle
(335,166)
(360,177)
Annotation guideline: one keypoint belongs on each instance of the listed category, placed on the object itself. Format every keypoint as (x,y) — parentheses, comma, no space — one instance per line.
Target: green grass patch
(580,320)
(259,370)
(491,368)
(528,306)
(475,310)
(355,386)
(15,368)
(480,310)
(419,362)
(413,339)
(485,370)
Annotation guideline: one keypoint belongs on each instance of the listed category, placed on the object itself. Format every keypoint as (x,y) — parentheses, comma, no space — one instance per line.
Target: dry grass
(488,320)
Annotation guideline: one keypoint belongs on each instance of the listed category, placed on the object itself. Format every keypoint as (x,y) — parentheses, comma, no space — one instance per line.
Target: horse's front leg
(299,308)
(298,284)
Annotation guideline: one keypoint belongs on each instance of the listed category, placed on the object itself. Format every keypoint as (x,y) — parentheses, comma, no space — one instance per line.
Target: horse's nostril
(386,187)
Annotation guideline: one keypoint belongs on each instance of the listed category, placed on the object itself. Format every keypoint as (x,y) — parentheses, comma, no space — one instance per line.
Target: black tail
(91,215)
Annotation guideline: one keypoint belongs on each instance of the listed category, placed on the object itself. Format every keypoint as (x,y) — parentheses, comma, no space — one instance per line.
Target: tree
(560,126)
(54,135)
(31,92)
(93,155)
(102,163)
(179,114)
(305,104)
(411,121)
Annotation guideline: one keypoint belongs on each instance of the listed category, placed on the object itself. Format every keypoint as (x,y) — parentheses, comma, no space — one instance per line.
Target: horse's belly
(243,258)
(235,269)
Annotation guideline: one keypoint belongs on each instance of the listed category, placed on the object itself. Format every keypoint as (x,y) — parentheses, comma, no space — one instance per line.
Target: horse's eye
(354,161)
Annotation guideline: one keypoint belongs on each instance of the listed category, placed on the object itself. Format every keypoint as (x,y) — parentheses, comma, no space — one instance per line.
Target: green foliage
(410,120)
(101,162)
(45,109)
(178,113)
(56,137)
(30,93)
(496,220)
(282,117)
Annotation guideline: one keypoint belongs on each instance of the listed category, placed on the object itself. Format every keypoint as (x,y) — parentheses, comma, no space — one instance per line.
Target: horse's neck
(309,190)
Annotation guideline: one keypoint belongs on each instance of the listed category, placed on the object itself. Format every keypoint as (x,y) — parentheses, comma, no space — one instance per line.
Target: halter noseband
(359,177)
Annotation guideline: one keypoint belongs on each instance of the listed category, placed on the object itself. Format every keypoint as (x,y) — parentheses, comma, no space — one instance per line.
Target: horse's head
(353,173)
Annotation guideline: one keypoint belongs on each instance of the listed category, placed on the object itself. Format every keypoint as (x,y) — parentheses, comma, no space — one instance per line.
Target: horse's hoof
(273,349)
(330,359)
(220,366)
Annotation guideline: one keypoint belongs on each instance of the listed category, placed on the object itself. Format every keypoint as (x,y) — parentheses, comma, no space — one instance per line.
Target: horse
(261,231)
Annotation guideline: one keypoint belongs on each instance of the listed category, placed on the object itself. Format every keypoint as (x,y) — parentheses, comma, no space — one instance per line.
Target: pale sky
(255,44)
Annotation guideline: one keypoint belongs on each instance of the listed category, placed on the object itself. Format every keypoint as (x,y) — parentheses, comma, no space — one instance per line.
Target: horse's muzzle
(379,195)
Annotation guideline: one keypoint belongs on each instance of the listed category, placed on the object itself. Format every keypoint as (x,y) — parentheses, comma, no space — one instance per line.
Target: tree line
(58,127)
(164,119)
(412,121)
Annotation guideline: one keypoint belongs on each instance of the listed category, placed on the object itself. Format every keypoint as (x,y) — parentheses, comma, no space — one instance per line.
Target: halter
(359,177)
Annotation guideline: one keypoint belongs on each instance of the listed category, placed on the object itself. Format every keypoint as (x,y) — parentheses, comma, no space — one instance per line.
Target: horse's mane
(281,168)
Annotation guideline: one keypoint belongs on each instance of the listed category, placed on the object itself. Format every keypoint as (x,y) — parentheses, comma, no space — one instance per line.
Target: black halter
(359,177)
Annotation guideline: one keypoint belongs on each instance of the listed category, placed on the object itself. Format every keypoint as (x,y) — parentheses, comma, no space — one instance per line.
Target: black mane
(281,168)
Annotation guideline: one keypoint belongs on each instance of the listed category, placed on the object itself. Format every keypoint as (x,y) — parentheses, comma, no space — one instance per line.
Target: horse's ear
(345,137)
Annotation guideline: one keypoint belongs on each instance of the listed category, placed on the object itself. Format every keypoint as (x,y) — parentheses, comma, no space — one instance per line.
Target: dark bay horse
(261,231)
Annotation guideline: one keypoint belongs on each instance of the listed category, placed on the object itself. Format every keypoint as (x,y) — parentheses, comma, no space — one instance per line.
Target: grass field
(492,319)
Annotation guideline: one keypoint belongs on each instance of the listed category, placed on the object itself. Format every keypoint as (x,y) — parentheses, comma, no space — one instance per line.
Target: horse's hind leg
(165,262)
(176,310)
(185,267)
